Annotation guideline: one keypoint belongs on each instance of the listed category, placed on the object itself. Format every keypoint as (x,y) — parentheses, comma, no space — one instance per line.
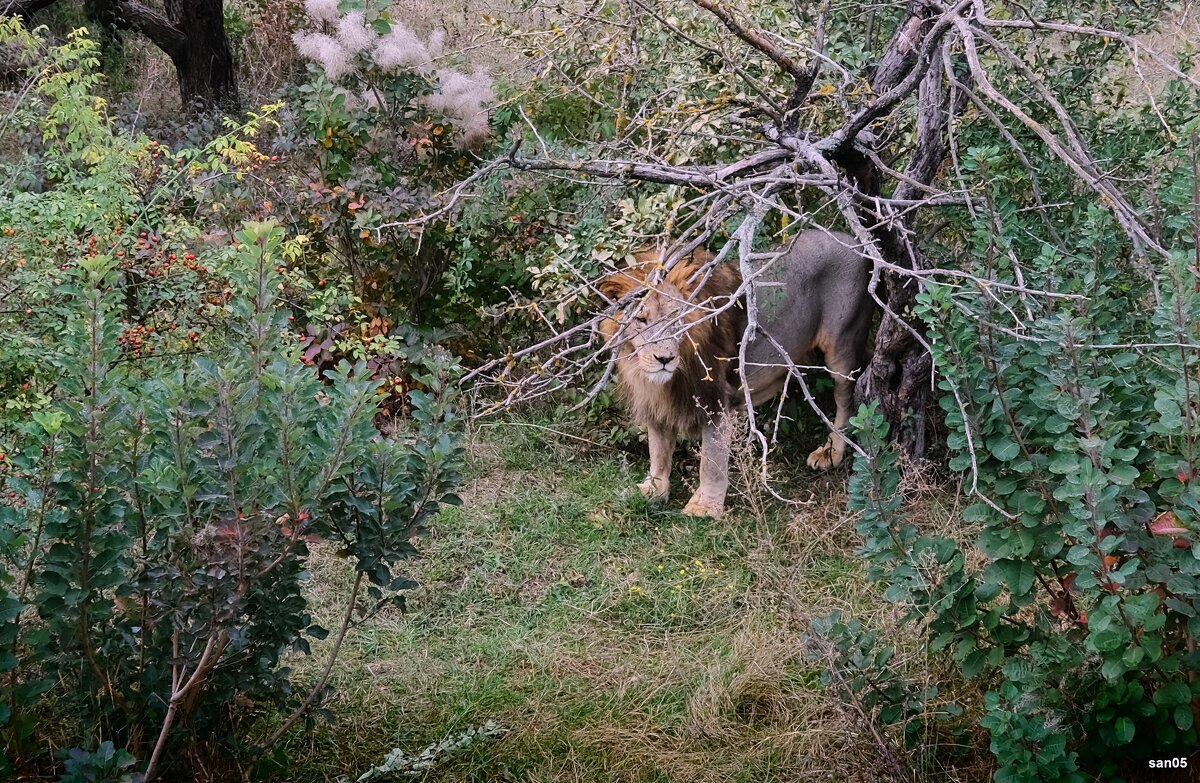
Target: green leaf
(1173,693)
(1003,448)
(1123,729)
(1169,411)
(1064,463)
(1184,717)
(1113,669)
(1124,475)
(1018,575)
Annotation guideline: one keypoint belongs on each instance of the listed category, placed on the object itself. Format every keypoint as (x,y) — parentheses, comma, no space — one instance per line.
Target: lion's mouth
(660,374)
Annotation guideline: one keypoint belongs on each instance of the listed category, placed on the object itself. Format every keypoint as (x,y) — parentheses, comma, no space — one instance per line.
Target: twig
(325,671)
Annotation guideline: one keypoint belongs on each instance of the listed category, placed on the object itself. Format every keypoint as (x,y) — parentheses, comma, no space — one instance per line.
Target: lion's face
(657,333)
(668,321)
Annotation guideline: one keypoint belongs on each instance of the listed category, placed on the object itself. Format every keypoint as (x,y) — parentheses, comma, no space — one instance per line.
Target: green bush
(161,491)
(385,132)
(1070,380)
(1074,421)
(158,525)
(81,188)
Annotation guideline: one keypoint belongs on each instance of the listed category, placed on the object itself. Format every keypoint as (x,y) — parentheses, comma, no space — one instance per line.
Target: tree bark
(207,75)
(23,8)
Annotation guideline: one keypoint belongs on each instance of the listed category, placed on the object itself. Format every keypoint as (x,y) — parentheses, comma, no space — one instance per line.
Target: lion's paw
(700,506)
(653,489)
(826,456)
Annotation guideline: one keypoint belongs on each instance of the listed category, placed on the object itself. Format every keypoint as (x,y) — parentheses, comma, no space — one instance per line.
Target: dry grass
(266,55)
(614,641)
(1176,33)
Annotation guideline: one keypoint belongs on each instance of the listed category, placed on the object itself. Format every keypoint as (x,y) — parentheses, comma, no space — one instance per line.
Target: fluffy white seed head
(437,40)
(464,99)
(322,10)
(401,48)
(332,56)
(354,34)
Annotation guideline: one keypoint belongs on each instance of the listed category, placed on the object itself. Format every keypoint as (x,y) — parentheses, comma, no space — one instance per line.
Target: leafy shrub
(161,491)
(1070,381)
(858,669)
(82,189)
(1074,418)
(394,126)
(108,764)
(389,131)
(159,526)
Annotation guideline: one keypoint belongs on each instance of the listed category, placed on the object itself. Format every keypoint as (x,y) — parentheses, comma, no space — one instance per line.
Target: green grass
(612,640)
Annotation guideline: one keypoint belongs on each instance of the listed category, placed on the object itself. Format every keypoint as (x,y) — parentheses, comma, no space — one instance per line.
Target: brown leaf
(1167,524)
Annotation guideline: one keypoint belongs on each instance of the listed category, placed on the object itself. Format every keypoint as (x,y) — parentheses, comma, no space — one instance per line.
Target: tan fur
(675,320)
(688,319)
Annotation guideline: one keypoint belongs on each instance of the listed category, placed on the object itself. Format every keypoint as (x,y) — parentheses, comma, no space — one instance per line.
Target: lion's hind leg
(831,453)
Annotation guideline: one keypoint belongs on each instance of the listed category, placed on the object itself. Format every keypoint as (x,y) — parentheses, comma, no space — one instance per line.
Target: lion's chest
(683,405)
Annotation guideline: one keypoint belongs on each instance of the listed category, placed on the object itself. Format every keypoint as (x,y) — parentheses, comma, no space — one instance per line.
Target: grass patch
(613,640)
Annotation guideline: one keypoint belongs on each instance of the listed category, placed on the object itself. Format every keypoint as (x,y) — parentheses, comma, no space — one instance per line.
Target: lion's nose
(664,360)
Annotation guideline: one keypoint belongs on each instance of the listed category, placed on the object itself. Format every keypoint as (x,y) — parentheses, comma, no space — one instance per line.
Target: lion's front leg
(709,498)
(657,485)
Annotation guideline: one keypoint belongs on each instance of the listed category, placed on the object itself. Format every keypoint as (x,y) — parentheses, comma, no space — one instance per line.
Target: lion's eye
(641,319)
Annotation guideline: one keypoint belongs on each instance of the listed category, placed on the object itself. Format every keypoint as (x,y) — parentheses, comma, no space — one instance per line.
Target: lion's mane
(707,377)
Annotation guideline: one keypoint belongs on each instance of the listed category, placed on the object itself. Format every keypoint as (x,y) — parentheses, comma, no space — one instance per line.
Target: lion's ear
(613,287)
(621,282)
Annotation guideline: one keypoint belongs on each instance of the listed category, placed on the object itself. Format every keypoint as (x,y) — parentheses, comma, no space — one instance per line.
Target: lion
(678,343)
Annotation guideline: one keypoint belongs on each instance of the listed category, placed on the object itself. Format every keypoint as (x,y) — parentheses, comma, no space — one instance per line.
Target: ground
(609,640)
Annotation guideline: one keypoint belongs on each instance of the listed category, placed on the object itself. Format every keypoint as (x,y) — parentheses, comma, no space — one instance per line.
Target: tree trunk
(23,8)
(191,33)
(899,373)
(204,63)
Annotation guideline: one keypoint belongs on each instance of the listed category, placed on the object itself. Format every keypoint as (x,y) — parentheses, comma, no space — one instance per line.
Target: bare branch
(756,39)
(23,7)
